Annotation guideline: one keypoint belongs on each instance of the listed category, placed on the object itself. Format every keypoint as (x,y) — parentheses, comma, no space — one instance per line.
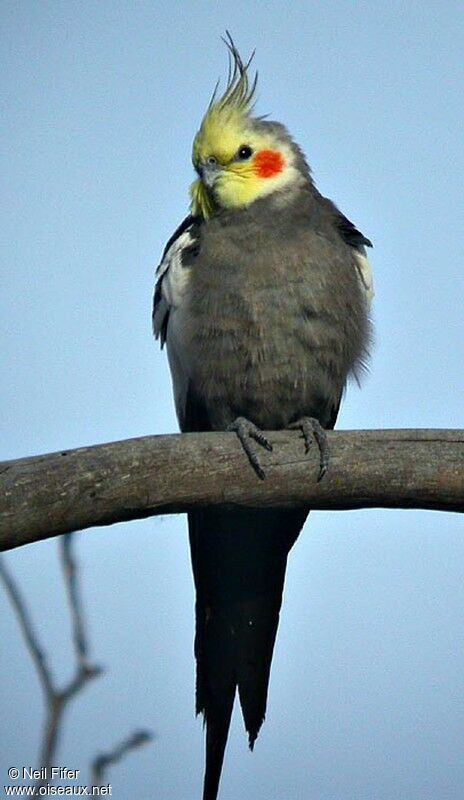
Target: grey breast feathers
(181,249)
(174,313)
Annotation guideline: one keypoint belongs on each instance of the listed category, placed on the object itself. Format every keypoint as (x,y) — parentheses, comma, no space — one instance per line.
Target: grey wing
(172,279)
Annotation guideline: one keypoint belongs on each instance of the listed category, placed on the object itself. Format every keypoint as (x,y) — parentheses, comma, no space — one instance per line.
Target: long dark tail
(239,559)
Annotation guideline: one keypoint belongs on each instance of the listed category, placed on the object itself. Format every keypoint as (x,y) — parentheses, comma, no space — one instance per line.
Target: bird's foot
(312,430)
(246,431)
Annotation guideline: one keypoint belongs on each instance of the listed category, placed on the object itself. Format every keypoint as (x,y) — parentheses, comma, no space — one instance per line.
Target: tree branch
(47,495)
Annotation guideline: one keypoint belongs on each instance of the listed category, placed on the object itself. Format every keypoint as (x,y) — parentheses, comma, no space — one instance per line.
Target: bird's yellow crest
(236,158)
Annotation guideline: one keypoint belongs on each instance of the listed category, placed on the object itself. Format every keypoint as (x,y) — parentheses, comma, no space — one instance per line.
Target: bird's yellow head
(239,158)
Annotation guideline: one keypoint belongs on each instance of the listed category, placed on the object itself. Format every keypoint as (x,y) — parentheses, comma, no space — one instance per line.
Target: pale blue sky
(100,102)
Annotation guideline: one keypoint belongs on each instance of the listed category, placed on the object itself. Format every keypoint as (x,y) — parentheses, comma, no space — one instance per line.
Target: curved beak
(208,174)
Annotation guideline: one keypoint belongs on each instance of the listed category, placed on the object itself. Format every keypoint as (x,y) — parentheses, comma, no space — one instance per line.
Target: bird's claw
(246,431)
(312,430)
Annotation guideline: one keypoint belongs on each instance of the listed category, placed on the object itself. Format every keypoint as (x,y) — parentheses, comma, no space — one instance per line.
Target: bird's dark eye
(211,161)
(244,152)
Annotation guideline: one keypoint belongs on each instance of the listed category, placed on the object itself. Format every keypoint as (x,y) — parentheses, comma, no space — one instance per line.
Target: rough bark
(47,495)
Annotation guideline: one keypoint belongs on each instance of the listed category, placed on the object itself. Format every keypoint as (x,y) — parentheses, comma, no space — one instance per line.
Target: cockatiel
(262,298)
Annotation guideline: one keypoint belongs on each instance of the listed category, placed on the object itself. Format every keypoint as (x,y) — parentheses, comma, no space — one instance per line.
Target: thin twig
(104,760)
(56,700)
(68,564)
(30,638)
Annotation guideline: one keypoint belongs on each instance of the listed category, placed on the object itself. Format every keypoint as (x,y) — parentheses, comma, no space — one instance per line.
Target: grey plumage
(272,317)
(265,314)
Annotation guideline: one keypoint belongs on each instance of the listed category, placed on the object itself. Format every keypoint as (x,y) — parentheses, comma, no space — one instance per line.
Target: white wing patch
(170,315)
(175,275)
(172,281)
(365,275)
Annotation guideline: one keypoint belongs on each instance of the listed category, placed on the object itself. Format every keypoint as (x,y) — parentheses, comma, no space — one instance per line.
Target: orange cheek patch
(268,163)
